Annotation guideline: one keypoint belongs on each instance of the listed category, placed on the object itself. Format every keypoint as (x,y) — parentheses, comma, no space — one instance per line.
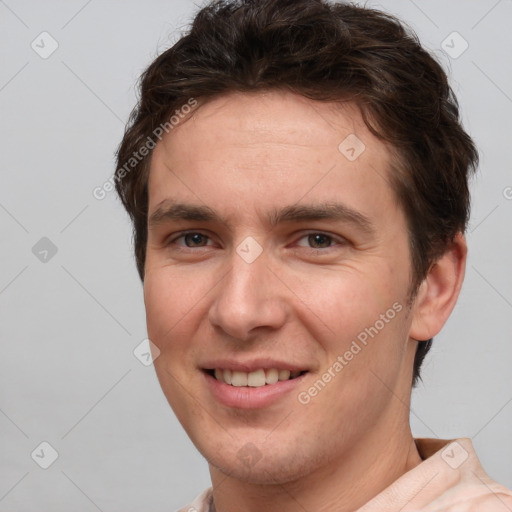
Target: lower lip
(250,398)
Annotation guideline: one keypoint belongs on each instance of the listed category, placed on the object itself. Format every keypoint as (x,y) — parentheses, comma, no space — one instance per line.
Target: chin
(261,467)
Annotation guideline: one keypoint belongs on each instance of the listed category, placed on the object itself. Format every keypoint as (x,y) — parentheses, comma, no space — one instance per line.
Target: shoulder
(200,504)
(460,483)
(479,495)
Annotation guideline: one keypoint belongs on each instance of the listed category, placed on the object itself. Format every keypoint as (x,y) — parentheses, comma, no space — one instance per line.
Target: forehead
(271,149)
(273,117)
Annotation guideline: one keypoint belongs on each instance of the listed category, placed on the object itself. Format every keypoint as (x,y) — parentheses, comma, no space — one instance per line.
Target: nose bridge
(243,281)
(247,298)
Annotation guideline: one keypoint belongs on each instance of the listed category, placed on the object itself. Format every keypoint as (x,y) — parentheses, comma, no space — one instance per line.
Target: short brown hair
(325,52)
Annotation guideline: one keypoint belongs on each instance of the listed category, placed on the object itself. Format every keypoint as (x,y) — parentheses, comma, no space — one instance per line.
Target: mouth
(254,379)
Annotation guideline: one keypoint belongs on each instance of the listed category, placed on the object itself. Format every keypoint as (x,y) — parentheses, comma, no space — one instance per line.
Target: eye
(192,239)
(316,241)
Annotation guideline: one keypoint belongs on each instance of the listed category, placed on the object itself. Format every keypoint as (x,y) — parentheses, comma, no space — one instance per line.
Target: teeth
(284,374)
(272,376)
(255,379)
(239,379)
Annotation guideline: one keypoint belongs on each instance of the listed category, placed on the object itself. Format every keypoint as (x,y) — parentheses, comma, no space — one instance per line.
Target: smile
(255,379)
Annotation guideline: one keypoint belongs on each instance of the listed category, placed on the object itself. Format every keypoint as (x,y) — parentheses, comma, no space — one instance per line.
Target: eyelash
(183,235)
(334,240)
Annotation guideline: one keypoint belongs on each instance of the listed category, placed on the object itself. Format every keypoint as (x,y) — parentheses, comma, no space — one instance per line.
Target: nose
(249,299)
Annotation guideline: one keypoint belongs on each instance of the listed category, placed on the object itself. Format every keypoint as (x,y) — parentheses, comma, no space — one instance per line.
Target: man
(297,177)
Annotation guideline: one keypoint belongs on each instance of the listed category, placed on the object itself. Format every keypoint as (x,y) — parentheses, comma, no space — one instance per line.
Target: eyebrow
(323,211)
(170,210)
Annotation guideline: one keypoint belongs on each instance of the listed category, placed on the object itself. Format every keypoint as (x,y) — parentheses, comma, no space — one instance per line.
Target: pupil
(194,239)
(319,241)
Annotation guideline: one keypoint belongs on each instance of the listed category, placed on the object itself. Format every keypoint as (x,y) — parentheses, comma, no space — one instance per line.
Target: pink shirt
(450,479)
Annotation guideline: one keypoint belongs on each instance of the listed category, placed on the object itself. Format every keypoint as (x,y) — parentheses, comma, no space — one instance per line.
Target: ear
(439,291)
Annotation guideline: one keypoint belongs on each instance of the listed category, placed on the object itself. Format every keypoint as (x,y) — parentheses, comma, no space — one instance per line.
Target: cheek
(346,299)
(171,317)
(169,307)
(360,316)
(160,306)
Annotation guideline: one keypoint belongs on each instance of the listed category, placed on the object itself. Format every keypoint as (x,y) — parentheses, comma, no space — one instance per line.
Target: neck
(344,484)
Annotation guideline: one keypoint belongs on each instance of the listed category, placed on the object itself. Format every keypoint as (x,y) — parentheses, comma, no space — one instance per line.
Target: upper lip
(252,365)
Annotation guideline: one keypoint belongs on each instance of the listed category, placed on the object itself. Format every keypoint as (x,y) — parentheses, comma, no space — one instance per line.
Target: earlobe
(439,291)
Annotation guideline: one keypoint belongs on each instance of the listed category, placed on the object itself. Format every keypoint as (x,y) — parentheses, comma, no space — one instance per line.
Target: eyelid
(171,239)
(336,239)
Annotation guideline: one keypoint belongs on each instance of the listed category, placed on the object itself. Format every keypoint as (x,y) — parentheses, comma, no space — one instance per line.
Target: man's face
(274,253)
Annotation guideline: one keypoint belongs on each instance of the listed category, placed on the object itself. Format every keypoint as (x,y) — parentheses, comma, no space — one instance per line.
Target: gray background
(69,325)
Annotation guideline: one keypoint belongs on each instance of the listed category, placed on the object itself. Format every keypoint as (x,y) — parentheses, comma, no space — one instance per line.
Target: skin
(246,156)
